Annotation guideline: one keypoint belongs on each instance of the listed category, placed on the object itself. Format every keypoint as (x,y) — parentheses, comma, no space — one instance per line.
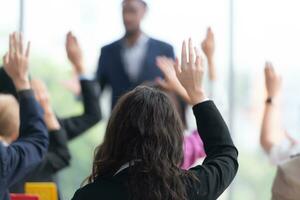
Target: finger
(266,68)
(68,39)
(15,44)
(159,62)
(177,67)
(11,46)
(170,62)
(191,52)
(183,55)
(210,33)
(198,61)
(269,70)
(74,39)
(21,43)
(272,72)
(27,49)
(162,83)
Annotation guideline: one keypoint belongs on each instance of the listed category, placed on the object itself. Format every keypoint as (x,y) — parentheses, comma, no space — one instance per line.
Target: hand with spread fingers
(170,82)
(16,62)
(190,73)
(42,96)
(273,81)
(74,53)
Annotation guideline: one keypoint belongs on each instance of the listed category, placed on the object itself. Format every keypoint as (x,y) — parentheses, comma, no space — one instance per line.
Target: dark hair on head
(145,128)
(179,103)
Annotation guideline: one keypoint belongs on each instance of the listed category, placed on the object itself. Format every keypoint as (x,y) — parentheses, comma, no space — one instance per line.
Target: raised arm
(208,47)
(271,130)
(220,166)
(21,156)
(76,125)
(58,156)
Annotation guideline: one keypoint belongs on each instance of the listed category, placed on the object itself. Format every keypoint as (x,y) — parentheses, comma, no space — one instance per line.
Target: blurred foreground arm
(20,157)
(74,126)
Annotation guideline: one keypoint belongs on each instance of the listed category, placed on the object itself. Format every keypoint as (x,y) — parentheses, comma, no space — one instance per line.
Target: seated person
(63,130)
(142,151)
(20,153)
(283,150)
(277,143)
(287,180)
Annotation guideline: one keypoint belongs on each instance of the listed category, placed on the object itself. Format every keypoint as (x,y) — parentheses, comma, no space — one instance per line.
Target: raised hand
(16,62)
(74,53)
(42,95)
(208,44)
(190,73)
(208,47)
(171,82)
(273,81)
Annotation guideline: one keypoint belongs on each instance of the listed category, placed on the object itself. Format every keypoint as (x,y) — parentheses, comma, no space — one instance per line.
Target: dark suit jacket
(215,174)
(58,156)
(23,155)
(111,67)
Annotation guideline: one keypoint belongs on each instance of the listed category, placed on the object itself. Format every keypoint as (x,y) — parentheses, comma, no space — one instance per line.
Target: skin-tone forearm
(211,69)
(271,131)
(75,54)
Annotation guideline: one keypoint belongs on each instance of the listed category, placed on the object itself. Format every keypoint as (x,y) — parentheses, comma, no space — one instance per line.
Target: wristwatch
(269,100)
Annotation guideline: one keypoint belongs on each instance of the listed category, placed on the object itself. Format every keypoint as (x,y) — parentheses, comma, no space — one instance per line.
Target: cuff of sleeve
(202,104)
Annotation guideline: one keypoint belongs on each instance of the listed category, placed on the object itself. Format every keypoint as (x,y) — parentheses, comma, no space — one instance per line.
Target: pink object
(193,149)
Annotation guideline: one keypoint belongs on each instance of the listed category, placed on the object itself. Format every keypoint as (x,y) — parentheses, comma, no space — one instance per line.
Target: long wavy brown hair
(144,127)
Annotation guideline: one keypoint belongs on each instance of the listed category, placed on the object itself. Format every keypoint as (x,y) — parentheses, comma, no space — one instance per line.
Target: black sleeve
(74,126)
(221,165)
(77,195)
(58,156)
(23,155)
(6,84)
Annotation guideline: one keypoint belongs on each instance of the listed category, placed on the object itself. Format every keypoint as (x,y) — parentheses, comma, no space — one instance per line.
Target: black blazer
(111,69)
(20,157)
(58,156)
(215,174)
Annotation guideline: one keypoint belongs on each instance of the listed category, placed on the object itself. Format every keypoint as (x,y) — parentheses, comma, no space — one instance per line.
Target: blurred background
(247,34)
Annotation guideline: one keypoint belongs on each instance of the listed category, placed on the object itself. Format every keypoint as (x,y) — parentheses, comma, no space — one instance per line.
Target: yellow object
(46,191)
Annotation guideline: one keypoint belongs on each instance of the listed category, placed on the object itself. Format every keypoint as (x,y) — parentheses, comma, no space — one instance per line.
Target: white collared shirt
(134,56)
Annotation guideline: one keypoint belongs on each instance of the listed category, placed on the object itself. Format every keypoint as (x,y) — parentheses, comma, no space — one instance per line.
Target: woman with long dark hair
(142,151)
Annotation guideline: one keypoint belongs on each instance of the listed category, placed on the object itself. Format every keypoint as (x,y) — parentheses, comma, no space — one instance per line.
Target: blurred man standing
(131,60)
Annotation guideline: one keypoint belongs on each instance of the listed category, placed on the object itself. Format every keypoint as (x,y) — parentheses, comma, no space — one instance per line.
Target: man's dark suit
(17,159)
(111,67)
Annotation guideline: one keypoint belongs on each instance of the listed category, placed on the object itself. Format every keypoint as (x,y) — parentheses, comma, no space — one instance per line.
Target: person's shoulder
(161,43)
(111,45)
(85,191)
